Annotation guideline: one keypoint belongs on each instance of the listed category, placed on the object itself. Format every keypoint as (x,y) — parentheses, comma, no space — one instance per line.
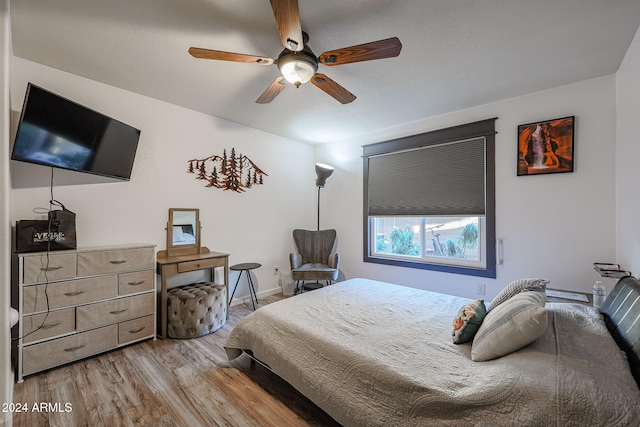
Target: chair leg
(300,285)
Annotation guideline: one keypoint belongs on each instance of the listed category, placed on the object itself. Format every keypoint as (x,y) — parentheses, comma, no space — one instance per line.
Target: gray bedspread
(373,354)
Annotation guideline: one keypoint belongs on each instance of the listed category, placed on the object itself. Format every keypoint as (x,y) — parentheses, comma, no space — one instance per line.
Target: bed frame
(621,313)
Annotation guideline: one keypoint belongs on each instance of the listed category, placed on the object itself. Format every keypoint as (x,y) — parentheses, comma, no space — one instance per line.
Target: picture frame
(546,147)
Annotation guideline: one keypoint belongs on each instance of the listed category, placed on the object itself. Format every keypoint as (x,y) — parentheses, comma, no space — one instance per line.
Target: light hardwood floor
(166,383)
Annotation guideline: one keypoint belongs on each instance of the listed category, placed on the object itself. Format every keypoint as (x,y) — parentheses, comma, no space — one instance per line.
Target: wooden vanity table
(170,265)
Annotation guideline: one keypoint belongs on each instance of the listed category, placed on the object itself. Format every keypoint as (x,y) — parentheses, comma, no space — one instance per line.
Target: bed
(371,353)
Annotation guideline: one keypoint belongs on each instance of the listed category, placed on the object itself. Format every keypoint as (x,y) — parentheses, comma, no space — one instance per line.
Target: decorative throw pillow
(468,321)
(517,286)
(512,325)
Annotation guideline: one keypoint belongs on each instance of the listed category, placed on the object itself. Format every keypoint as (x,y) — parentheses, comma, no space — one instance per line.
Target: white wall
(254,226)
(6,385)
(627,155)
(554,226)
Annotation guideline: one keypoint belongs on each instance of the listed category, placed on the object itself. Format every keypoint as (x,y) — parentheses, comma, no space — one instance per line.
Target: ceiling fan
(297,63)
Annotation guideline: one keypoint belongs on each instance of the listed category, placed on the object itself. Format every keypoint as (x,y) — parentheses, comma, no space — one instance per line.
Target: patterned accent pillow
(512,325)
(468,321)
(517,286)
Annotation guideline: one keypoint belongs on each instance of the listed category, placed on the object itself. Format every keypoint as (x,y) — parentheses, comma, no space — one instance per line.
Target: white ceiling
(456,54)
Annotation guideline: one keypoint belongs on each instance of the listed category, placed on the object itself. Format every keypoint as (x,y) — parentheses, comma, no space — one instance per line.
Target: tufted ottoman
(196,310)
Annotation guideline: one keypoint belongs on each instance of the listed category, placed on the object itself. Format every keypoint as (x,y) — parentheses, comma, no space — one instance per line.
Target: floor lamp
(322,173)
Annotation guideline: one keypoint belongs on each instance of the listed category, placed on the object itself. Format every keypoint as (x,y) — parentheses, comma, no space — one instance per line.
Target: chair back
(314,246)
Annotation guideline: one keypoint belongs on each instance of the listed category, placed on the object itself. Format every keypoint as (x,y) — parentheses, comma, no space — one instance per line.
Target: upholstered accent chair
(315,260)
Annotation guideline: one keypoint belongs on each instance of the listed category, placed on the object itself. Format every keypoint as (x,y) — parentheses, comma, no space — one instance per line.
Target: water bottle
(599,294)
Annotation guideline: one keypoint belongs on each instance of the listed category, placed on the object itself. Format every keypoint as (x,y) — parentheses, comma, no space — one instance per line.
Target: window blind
(441,179)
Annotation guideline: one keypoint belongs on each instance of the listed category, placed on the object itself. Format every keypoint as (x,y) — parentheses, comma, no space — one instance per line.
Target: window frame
(483,128)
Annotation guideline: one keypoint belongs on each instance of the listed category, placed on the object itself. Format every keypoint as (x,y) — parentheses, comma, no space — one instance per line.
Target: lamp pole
(322,173)
(318,229)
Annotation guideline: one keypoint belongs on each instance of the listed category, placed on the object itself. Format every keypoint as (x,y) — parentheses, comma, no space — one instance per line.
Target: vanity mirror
(183,231)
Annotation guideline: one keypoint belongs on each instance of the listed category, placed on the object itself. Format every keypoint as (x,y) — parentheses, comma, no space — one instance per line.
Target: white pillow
(515,287)
(512,325)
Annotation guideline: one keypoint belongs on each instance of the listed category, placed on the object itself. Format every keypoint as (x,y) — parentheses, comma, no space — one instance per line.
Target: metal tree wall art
(236,173)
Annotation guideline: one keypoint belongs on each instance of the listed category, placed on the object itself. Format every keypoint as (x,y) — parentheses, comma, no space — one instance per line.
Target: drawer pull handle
(122,261)
(72,349)
(136,283)
(135,331)
(74,294)
(118,311)
(51,325)
(50,268)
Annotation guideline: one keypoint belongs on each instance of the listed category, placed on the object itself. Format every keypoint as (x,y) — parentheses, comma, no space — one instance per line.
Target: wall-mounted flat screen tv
(54,131)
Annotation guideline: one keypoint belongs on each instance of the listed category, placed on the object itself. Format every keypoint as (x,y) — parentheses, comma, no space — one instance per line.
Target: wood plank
(168,383)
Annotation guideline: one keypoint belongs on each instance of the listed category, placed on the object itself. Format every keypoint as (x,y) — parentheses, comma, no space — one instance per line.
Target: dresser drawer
(140,281)
(42,268)
(115,261)
(135,329)
(56,352)
(200,264)
(40,326)
(114,311)
(69,293)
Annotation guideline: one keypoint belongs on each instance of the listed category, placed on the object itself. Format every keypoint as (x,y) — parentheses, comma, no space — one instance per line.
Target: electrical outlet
(480,289)
(276,270)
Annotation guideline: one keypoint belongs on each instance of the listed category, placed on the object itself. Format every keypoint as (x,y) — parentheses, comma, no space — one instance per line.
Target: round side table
(246,267)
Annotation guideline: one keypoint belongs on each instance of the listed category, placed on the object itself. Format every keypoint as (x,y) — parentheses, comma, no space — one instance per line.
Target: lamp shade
(297,68)
(323,172)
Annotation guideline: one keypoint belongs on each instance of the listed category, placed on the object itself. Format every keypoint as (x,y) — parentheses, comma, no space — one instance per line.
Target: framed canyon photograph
(546,147)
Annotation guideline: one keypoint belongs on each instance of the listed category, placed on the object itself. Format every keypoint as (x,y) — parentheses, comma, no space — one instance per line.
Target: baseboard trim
(245,299)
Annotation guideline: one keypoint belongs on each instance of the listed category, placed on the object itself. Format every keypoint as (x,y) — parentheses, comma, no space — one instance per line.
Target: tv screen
(54,131)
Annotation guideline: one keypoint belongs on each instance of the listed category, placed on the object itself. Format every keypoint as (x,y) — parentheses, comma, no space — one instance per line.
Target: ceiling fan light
(297,69)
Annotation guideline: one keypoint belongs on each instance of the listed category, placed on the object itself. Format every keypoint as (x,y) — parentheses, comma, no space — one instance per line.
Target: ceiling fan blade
(197,52)
(272,91)
(332,88)
(287,16)
(386,48)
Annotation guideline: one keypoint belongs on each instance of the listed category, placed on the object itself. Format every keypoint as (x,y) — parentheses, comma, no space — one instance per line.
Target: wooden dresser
(78,303)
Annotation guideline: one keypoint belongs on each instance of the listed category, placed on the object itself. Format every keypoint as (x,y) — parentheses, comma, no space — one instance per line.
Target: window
(438,240)
(429,200)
